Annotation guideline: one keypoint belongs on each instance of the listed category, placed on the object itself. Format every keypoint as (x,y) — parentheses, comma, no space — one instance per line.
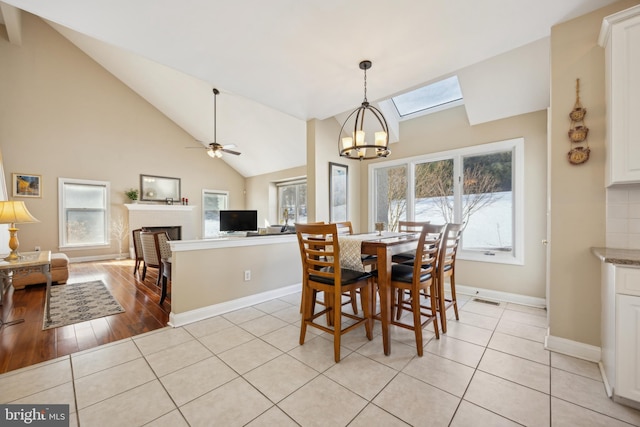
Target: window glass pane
(391,195)
(487,202)
(212,203)
(301,213)
(433,188)
(83,213)
(430,96)
(84,196)
(85,227)
(293,199)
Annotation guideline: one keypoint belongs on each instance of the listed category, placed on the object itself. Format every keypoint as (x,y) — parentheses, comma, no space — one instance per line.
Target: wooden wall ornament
(578,132)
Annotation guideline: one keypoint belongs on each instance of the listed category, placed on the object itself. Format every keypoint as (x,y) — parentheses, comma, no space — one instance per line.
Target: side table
(28,263)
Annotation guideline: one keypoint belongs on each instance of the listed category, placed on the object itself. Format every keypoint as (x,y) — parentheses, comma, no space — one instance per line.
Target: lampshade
(13,212)
(359,145)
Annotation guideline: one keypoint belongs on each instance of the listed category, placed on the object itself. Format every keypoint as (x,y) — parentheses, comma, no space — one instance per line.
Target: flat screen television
(237,220)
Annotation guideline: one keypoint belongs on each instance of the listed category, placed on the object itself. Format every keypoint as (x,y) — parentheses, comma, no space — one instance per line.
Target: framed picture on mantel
(159,188)
(338,192)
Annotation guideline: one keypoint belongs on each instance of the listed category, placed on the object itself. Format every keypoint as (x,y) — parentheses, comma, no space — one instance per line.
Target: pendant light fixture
(359,145)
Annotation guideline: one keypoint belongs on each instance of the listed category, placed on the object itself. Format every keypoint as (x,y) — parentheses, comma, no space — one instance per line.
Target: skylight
(427,97)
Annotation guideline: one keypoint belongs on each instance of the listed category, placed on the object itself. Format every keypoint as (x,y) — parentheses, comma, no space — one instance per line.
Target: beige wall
(262,193)
(62,115)
(577,194)
(450,129)
(212,276)
(322,150)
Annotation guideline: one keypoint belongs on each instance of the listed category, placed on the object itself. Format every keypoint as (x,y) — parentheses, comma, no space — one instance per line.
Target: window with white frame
(479,186)
(292,198)
(84,213)
(212,203)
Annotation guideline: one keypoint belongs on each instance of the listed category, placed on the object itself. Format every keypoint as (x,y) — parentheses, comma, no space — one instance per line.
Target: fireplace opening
(174,232)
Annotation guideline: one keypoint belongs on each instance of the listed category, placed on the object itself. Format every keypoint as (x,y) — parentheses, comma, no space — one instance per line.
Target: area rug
(79,302)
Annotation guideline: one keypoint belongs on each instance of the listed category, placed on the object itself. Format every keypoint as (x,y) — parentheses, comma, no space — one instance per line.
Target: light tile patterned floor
(246,368)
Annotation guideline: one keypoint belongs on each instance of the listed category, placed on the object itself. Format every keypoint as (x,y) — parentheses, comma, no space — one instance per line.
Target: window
(84,213)
(212,203)
(435,97)
(292,197)
(480,186)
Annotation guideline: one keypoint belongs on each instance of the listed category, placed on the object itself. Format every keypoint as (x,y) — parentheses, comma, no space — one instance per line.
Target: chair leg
(337,326)
(159,279)
(136,266)
(164,289)
(454,301)
(417,324)
(144,272)
(307,300)
(434,308)
(354,301)
(442,307)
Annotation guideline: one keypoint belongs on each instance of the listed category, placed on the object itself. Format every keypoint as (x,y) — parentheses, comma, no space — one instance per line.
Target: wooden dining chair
(431,229)
(413,280)
(321,272)
(405,227)
(155,247)
(447,269)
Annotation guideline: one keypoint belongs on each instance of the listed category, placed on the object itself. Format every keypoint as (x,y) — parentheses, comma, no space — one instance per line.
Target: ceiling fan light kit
(357,146)
(215,150)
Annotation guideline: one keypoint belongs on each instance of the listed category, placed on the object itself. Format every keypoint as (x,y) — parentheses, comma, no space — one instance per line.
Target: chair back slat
(428,250)
(319,251)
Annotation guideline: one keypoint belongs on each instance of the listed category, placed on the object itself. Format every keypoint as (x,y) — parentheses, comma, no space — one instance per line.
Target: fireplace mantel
(157,207)
(161,215)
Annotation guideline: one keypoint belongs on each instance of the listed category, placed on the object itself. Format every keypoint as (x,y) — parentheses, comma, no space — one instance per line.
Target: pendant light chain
(365,85)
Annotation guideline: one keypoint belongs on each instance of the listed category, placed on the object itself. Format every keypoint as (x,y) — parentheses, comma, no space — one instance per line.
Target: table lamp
(12,213)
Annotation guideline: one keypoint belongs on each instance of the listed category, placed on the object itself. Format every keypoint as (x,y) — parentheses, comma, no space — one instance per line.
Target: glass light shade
(347,142)
(218,153)
(381,139)
(360,138)
(211,153)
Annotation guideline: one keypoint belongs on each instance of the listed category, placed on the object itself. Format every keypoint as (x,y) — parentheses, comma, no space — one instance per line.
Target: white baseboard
(109,257)
(181,319)
(500,296)
(572,348)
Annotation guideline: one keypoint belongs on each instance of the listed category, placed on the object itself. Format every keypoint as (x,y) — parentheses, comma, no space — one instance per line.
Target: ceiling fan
(214,149)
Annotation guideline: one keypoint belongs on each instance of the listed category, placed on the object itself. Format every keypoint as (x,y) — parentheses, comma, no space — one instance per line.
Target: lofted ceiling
(279,63)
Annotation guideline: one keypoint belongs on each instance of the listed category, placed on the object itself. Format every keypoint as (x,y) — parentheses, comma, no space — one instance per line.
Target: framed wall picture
(159,188)
(26,185)
(338,192)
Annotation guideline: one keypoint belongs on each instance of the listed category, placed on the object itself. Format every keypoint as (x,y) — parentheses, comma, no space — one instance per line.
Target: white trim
(572,348)
(158,207)
(500,296)
(181,319)
(605,380)
(516,145)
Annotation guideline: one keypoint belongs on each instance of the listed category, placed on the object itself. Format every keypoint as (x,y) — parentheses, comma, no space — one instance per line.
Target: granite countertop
(618,256)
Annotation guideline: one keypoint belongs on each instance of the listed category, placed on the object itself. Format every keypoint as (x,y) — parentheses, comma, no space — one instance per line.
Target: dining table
(383,245)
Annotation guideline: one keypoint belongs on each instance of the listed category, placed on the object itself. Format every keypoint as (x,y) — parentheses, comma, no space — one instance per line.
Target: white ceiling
(279,63)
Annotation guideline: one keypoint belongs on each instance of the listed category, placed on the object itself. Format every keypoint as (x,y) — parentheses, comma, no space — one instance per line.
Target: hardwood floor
(26,343)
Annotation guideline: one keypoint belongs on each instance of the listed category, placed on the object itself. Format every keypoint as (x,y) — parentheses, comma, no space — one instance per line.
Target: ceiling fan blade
(229,146)
(235,153)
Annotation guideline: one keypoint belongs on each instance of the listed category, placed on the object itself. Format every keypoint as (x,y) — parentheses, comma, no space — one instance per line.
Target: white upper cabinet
(620,36)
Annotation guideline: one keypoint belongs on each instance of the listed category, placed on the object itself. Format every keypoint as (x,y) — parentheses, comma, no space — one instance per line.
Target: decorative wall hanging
(578,132)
